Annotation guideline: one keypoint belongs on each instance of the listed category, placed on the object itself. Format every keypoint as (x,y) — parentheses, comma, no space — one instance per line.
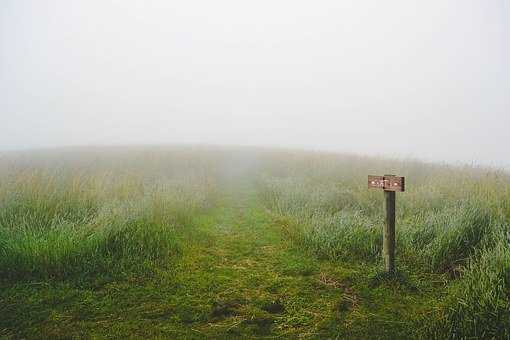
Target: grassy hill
(210,242)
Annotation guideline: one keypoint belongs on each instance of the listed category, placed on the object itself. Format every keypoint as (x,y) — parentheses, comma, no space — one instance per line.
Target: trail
(245,279)
(239,276)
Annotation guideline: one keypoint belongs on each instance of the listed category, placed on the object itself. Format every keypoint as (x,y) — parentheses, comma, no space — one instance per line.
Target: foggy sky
(425,79)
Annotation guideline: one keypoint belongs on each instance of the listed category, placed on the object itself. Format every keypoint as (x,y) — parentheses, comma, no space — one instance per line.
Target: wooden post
(389,232)
(390,184)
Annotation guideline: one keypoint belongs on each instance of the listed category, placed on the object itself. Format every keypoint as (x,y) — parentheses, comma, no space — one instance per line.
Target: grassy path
(248,281)
(238,277)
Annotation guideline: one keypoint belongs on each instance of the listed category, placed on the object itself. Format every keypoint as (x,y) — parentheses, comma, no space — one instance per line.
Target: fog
(421,79)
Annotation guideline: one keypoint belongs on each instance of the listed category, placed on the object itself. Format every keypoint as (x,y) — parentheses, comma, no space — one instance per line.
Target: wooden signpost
(390,184)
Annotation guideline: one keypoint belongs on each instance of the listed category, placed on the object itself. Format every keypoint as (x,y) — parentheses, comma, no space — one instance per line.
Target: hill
(228,242)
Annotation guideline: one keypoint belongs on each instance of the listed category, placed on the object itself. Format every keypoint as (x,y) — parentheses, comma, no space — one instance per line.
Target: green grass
(477,304)
(67,228)
(244,243)
(449,221)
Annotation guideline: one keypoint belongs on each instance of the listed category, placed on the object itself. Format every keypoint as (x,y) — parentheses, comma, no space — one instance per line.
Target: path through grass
(238,277)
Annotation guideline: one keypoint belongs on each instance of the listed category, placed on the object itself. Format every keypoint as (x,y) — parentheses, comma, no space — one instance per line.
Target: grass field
(204,242)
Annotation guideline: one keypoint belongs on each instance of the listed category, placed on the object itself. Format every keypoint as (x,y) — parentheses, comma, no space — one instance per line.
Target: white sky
(426,79)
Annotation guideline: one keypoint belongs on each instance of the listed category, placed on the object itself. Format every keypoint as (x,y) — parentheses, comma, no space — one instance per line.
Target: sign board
(386,182)
(389,184)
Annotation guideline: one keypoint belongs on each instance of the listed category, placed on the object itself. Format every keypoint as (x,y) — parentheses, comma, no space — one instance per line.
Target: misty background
(421,79)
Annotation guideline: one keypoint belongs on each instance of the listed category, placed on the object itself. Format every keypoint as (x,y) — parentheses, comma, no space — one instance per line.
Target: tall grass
(452,221)
(478,305)
(58,223)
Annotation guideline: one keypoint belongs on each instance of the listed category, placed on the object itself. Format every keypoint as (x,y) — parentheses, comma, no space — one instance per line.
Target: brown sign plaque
(386,182)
